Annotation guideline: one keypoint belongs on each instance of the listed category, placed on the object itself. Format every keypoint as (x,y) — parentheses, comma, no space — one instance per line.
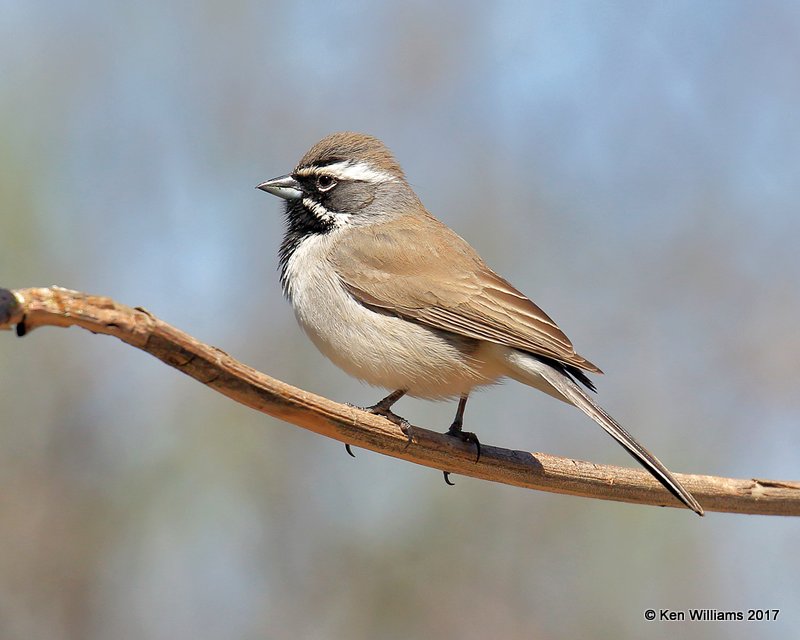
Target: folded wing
(423,271)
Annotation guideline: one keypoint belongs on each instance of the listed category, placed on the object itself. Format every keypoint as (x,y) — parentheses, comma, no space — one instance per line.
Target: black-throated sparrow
(396,298)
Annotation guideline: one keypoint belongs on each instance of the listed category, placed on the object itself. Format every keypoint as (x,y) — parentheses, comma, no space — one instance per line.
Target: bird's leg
(466,436)
(384,408)
(455,428)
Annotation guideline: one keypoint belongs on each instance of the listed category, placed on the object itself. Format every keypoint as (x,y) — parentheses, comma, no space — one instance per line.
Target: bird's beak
(285,187)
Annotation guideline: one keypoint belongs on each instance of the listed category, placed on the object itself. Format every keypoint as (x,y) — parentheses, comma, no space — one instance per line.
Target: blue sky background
(633,166)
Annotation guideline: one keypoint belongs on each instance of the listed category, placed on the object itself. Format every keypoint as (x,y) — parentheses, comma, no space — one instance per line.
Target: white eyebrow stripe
(349,170)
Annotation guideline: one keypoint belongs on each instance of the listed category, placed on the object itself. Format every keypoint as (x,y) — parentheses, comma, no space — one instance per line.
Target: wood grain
(28,309)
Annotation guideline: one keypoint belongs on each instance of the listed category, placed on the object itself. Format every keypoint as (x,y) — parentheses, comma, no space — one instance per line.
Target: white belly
(382,350)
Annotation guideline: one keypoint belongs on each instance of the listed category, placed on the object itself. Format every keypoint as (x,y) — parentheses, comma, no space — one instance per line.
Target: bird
(397,299)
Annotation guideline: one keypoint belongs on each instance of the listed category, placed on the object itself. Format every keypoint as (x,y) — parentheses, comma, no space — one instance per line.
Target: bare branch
(28,309)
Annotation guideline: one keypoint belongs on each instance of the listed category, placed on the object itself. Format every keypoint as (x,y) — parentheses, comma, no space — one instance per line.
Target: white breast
(382,350)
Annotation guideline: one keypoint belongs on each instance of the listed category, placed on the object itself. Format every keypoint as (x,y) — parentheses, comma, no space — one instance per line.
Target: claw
(447,479)
(384,408)
(408,430)
(349,450)
(389,415)
(466,436)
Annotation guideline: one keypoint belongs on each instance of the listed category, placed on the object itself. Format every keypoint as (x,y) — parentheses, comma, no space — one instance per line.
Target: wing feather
(422,270)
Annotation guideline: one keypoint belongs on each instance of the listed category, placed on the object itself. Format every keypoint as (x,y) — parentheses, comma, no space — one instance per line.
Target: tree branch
(28,309)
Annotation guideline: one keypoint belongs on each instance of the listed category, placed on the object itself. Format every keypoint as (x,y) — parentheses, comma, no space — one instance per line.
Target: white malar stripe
(321,212)
(339,219)
(349,170)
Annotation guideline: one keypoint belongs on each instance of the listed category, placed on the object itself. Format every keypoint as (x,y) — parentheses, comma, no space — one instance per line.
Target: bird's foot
(465,436)
(381,409)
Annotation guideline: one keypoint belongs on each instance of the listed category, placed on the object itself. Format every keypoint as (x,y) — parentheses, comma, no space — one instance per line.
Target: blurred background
(632,166)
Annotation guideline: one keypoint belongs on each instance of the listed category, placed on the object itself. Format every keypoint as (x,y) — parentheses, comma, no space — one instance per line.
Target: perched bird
(395,298)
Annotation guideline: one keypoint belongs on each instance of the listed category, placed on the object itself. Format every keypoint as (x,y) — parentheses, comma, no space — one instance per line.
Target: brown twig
(28,309)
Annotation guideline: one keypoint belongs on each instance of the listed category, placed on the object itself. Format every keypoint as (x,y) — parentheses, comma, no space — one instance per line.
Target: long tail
(531,371)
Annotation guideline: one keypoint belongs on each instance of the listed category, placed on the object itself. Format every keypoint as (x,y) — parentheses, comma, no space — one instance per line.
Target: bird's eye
(325,183)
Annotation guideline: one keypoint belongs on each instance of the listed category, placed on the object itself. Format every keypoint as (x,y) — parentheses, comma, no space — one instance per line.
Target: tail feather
(532,371)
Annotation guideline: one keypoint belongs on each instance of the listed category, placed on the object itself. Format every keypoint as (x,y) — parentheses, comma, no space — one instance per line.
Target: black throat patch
(300,224)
